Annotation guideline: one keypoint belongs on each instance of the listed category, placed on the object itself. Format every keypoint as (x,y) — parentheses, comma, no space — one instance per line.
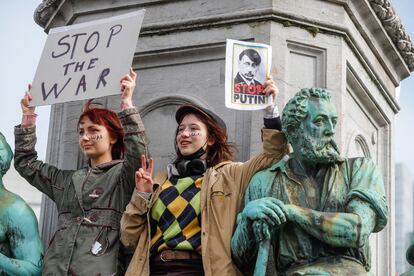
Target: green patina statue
(410,259)
(20,246)
(312,212)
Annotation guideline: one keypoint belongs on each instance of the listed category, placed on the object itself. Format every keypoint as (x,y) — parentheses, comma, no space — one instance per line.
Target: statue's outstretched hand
(267,209)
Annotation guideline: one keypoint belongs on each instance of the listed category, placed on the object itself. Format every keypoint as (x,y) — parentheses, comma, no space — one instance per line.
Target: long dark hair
(108,119)
(220,151)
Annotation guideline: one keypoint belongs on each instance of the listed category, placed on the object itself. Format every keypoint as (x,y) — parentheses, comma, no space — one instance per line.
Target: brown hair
(108,119)
(221,150)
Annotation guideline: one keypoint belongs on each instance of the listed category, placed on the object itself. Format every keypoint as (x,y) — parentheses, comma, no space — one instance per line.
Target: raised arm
(25,242)
(48,179)
(134,221)
(135,139)
(134,218)
(28,112)
(275,145)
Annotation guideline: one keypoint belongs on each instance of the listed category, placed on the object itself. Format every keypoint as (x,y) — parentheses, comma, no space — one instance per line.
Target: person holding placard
(181,221)
(90,201)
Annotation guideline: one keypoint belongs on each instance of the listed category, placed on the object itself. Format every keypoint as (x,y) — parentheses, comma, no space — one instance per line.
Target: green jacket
(90,202)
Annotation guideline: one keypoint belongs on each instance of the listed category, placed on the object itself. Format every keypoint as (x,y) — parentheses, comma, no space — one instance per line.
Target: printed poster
(247,66)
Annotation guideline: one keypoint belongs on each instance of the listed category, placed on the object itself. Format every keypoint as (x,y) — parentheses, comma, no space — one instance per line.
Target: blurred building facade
(404,221)
(18,185)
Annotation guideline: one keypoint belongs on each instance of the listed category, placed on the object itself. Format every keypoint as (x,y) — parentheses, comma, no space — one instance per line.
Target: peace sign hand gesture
(143,177)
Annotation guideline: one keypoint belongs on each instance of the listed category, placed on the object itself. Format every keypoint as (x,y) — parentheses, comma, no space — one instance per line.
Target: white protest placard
(247,66)
(86,60)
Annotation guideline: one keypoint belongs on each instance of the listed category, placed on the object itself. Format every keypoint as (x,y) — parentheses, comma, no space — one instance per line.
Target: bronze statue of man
(316,208)
(20,246)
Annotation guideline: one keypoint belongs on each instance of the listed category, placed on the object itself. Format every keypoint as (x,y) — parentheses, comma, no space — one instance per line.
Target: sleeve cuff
(20,130)
(28,120)
(272,123)
(131,120)
(144,195)
(141,204)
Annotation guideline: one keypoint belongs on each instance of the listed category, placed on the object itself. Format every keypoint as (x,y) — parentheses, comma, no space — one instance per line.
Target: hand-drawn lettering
(96,137)
(92,63)
(82,83)
(79,66)
(105,72)
(87,42)
(76,36)
(62,44)
(66,66)
(116,29)
(53,89)
(76,60)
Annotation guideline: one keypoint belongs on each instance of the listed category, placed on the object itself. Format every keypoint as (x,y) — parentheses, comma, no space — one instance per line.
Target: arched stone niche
(358,147)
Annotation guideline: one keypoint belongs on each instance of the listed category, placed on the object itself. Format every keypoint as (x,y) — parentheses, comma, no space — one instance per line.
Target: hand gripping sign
(247,66)
(86,60)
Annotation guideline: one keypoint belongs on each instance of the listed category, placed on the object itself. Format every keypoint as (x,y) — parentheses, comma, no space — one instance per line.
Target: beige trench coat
(222,192)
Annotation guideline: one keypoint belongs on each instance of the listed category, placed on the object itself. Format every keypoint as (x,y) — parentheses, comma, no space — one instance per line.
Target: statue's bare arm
(349,229)
(25,242)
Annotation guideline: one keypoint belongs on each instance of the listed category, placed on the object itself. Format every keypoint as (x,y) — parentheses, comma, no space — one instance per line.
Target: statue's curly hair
(295,110)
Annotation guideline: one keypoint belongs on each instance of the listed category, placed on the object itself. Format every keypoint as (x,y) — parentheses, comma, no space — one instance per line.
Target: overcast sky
(22,43)
(404,135)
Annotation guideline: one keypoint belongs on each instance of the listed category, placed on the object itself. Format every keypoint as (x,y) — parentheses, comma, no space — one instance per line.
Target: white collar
(172,170)
(246,81)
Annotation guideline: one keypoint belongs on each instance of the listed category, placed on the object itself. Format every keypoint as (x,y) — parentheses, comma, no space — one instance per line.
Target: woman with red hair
(90,201)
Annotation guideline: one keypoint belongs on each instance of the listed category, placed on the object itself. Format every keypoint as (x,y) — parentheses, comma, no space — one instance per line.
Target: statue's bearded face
(316,137)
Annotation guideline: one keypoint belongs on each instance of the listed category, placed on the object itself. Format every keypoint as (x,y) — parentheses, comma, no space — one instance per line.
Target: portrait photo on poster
(247,66)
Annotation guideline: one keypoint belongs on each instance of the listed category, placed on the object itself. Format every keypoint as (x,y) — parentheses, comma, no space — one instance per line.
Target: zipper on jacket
(86,178)
(80,200)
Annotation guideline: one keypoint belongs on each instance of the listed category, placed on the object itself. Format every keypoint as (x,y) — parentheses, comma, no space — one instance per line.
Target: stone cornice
(383,9)
(395,29)
(45,10)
